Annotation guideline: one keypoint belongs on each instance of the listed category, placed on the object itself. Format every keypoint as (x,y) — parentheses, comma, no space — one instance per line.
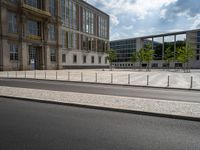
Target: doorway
(35,57)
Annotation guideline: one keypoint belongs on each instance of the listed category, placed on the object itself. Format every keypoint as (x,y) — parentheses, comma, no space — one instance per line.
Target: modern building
(160,43)
(52,34)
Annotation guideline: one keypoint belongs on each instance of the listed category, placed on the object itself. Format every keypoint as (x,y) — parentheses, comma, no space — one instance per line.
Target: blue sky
(133,18)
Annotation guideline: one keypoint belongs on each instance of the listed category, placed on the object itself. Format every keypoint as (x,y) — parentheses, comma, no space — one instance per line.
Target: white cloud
(139,8)
(196,22)
(114,20)
(128,27)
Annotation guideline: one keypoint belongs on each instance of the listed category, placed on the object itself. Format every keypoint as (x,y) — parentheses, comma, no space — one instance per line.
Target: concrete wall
(80,54)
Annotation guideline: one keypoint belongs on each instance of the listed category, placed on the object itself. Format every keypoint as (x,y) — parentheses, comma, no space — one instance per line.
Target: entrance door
(35,57)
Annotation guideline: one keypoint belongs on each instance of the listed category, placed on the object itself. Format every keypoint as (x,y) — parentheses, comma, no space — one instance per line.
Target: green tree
(169,56)
(112,56)
(134,58)
(140,56)
(184,55)
(148,55)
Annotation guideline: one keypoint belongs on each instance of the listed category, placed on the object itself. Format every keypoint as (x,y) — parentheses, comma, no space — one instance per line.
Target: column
(174,45)
(163,48)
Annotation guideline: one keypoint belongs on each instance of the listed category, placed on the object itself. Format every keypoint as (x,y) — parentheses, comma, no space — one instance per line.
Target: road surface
(117,90)
(28,125)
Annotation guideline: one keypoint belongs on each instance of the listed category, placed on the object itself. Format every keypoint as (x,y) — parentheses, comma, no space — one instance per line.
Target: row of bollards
(96,78)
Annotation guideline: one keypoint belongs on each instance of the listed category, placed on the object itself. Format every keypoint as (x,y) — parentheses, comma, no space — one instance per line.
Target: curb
(110,84)
(107,109)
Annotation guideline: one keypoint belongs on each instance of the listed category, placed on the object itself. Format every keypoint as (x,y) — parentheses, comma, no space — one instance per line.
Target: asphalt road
(117,90)
(28,125)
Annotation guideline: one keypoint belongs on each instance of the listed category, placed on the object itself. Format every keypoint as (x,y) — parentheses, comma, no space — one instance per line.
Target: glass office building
(160,44)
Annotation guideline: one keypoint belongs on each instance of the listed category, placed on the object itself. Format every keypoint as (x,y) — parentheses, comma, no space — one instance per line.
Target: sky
(135,18)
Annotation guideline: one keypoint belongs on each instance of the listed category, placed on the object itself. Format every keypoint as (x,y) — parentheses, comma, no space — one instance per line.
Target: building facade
(160,44)
(52,34)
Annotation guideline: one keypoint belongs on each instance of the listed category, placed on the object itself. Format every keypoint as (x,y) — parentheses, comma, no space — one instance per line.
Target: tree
(112,56)
(148,55)
(184,55)
(140,56)
(134,58)
(169,55)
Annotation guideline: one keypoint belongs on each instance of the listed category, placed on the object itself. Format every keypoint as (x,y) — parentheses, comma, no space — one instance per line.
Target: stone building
(52,34)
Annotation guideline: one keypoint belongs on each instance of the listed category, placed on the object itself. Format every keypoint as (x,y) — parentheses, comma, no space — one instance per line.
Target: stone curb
(108,109)
(123,104)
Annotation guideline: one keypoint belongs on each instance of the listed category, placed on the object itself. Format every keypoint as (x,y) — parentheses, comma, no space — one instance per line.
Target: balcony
(34,37)
(35,11)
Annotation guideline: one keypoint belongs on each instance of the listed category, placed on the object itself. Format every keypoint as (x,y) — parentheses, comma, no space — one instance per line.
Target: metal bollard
(45,75)
(68,76)
(7,74)
(15,74)
(168,81)
(81,76)
(129,79)
(35,74)
(191,82)
(56,75)
(147,80)
(96,77)
(25,74)
(111,78)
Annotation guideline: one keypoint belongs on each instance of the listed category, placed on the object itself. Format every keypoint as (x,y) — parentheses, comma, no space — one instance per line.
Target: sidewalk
(163,107)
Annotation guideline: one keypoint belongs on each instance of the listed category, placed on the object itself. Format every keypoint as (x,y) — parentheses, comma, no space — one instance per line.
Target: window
(53,54)
(52,7)
(14,1)
(12,22)
(33,27)
(51,32)
(71,40)
(13,52)
(84,59)
(92,59)
(197,57)
(99,59)
(88,21)
(106,60)
(70,15)
(34,3)
(103,27)
(63,58)
(74,58)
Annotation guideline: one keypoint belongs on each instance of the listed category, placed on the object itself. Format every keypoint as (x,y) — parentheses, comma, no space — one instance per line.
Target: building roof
(159,35)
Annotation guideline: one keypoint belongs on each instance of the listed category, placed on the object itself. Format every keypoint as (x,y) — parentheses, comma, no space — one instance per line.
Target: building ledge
(35,11)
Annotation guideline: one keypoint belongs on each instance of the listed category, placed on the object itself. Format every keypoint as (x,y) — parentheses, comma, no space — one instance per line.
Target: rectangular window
(53,54)
(12,22)
(197,57)
(63,58)
(33,27)
(52,32)
(13,52)
(106,60)
(92,59)
(14,1)
(74,58)
(34,3)
(71,14)
(99,59)
(52,7)
(84,59)
(88,21)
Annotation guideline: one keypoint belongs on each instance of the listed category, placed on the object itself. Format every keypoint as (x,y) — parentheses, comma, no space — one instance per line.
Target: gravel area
(126,103)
